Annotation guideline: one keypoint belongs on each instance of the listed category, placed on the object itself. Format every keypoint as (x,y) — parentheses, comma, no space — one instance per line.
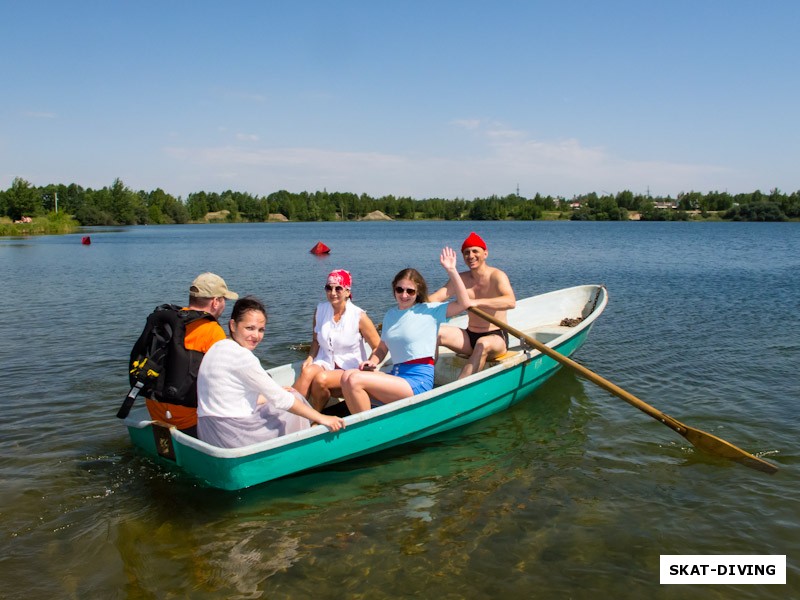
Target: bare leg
(358,386)
(485,347)
(307,375)
(325,384)
(454,338)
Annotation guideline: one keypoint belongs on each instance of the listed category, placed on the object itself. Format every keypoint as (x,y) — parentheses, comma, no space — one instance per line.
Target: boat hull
(454,404)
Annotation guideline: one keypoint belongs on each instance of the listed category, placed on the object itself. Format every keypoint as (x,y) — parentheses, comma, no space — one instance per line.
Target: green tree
(406,209)
(488,209)
(756,211)
(162,208)
(716,201)
(197,205)
(126,206)
(70,198)
(454,209)
(48,195)
(22,200)
(790,205)
(648,211)
(690,201)
(626,200)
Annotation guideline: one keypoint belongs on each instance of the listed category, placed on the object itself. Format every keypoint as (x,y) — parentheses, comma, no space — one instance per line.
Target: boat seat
(497,359)
(449,365)
(505,356)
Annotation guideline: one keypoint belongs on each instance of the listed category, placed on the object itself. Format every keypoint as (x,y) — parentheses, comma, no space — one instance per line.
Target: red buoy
(86,240)
(320,248)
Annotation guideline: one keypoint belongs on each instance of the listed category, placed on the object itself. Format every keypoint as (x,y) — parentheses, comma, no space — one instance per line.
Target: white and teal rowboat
(452,403)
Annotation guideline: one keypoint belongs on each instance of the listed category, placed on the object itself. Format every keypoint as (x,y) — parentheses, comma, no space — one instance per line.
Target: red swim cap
(473,239)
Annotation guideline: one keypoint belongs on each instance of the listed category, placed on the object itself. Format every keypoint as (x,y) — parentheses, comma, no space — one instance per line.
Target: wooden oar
(700,439)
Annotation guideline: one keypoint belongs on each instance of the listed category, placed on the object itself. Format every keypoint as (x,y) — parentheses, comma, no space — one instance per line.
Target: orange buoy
(320,248)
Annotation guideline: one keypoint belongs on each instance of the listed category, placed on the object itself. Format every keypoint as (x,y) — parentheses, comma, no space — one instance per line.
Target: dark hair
(199,302)
(246,304)
(419,280)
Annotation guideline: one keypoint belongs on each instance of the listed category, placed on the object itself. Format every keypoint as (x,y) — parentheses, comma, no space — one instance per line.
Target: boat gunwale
(525,355)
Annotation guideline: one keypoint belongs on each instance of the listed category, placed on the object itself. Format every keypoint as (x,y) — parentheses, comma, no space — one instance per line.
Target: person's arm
(440,295)
(285,400)
(378,355)
(462,302)
(505,300)
(368,331)
(254,377)
(302,409)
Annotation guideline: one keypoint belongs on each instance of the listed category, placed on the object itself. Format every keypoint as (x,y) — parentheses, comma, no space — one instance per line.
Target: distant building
(671,204)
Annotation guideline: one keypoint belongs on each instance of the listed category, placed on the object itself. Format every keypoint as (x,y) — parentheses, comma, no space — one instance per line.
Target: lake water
(570,494)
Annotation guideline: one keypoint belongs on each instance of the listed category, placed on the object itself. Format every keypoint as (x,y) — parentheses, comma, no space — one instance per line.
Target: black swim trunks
(474,336)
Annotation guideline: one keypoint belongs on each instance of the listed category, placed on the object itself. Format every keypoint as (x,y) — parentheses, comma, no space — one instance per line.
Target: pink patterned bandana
(340,277)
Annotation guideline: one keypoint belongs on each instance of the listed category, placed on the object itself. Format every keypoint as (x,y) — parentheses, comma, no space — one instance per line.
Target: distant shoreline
(36,228)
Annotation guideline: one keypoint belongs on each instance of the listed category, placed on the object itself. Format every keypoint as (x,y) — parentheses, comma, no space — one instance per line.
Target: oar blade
(719,447)
(700,439)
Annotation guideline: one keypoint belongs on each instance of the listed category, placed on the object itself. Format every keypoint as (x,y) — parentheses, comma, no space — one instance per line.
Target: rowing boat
(561,319)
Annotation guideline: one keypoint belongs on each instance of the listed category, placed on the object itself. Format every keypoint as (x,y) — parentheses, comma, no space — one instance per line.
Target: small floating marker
(320,248)
(86,240)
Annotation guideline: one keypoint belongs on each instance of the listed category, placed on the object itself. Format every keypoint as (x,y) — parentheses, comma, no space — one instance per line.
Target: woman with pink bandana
(337,343)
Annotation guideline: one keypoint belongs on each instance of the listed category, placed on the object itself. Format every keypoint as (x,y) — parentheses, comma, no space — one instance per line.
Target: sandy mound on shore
(376,215)
(220,215)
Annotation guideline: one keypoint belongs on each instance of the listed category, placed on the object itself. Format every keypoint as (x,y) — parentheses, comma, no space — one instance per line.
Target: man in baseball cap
(207,294)
(210,285)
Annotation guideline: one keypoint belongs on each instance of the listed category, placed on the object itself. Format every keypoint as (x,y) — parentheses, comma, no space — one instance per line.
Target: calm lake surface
(570,494)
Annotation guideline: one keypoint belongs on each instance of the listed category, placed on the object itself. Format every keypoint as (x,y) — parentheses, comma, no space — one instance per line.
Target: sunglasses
(409,291)
(329,288)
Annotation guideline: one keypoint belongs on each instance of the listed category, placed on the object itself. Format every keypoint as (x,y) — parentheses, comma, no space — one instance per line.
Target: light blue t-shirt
(411,333)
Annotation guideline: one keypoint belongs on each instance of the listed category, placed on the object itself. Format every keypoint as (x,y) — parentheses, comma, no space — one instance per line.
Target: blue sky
(424,99)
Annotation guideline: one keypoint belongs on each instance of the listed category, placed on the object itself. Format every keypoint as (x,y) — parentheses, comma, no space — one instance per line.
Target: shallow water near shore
(572,493)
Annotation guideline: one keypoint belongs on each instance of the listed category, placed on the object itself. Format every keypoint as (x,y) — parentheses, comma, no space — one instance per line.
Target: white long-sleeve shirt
(230,380)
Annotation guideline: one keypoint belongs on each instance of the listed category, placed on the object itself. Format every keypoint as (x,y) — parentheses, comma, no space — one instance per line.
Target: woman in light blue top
(409,334)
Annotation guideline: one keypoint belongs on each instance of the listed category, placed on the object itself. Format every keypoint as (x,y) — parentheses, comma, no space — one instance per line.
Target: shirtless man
(481,341)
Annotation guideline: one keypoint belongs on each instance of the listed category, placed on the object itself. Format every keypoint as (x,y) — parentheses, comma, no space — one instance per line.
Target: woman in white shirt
(238,403)
(340,330)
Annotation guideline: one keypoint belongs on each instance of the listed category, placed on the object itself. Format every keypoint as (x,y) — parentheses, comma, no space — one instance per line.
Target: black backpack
(160,366)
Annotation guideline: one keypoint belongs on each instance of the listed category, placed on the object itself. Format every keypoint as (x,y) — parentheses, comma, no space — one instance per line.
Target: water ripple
(573,492)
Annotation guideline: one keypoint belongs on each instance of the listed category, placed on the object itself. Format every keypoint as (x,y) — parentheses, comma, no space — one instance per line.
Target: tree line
(119,205)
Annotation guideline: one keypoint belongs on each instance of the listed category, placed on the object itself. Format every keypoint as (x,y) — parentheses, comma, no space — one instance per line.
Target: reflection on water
(570,493)
(428,495)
